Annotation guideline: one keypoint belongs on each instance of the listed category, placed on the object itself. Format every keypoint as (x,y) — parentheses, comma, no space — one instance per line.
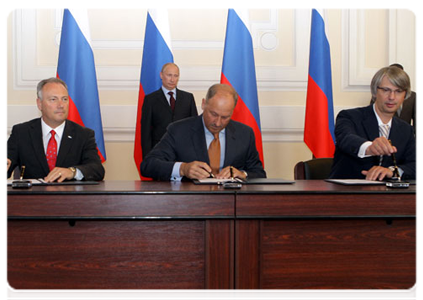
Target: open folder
(248,181)
(41,181)
(360,182)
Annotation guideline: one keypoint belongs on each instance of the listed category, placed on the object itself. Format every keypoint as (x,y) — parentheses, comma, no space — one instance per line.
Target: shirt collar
(221,133)
(166,91)
(379,121)
(46,129)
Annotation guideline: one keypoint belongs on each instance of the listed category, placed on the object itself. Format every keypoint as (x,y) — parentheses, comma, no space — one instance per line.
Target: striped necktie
(384,131)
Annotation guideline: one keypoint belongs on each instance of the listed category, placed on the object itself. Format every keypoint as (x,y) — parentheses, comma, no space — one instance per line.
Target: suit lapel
(164,102)
(230,144)
(370,124)
(66,142)
(395,132)
(36,136)
(198,138)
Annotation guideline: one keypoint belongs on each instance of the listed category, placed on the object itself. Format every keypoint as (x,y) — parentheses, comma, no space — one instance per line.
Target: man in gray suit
(184,150)
(164,106)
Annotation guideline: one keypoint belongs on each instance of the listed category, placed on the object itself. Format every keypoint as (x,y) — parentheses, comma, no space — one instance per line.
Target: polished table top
(155,187)
(146,199)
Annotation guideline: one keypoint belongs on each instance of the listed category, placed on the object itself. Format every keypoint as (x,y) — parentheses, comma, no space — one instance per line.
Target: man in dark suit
(74,153)
(367,137)
(408,110)
(186,148)
(157,111)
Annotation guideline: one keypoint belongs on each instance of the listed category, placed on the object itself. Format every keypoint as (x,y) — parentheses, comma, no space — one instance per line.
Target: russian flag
(238,70)
(156,52)
(76,67)
(319,120)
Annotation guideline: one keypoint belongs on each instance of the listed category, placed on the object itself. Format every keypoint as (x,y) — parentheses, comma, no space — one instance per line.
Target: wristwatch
(73,171)
(246,174)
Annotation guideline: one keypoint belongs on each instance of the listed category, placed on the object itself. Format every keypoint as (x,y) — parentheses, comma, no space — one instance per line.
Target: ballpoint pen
(22,173)
(232,172)
(396,174)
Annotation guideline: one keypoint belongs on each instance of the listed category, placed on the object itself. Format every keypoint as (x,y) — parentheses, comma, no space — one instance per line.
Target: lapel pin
(69,137)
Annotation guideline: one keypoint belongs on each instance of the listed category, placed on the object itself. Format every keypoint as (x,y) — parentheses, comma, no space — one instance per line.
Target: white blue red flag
(319,119)
(156,52)
(238,70)
(76,67)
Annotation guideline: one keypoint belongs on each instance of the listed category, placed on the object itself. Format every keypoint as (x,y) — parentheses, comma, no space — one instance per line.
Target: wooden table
(155,235)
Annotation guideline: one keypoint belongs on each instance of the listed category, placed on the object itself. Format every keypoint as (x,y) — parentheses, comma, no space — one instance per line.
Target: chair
(17,173)
(317,168)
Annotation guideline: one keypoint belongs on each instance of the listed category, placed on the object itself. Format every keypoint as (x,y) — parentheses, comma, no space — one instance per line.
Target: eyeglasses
(387,91)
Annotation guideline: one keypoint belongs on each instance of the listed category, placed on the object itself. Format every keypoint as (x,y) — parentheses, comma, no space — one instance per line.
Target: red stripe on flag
(74,113)
(137,144)
(242,114)
(75,117)
(316,130)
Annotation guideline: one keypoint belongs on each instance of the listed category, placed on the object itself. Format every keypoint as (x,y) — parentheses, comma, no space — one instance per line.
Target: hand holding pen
(196,170)
(231,172)
(396,174)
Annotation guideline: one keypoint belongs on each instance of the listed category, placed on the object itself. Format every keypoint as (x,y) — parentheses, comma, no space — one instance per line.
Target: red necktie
(214,154)
(52,151)
(172,101)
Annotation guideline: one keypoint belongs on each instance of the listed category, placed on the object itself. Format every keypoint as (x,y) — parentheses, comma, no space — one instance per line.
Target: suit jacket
(408,111)
(77,149)
(157,115)
(356,126)
(185,141)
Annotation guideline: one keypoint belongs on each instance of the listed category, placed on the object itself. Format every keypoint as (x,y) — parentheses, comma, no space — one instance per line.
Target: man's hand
(226,173)
(195,170)
(59,175)
(9,162)
(377,173)
(381,146)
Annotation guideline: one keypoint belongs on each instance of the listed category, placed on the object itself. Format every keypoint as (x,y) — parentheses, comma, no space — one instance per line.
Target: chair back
(317,168)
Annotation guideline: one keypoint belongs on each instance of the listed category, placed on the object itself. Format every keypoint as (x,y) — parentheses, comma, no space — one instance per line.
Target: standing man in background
(164,106)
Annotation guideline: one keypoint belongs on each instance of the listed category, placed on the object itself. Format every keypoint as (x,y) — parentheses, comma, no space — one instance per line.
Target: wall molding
(27,72)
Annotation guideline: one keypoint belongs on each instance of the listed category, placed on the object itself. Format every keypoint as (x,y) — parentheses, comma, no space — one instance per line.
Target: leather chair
(16,173)
(317,168)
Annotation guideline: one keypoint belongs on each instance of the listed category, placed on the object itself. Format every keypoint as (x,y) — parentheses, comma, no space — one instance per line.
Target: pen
(211,174)
(232,172)
(394,159)
(22,172)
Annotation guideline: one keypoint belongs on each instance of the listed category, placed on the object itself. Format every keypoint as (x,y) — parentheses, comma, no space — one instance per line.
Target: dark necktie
(214,154)
(52,151)
(172,101)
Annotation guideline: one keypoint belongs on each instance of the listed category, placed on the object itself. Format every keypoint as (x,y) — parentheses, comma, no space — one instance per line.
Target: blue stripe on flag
(76,67)
(239,56)
(320,63)
(155,54)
